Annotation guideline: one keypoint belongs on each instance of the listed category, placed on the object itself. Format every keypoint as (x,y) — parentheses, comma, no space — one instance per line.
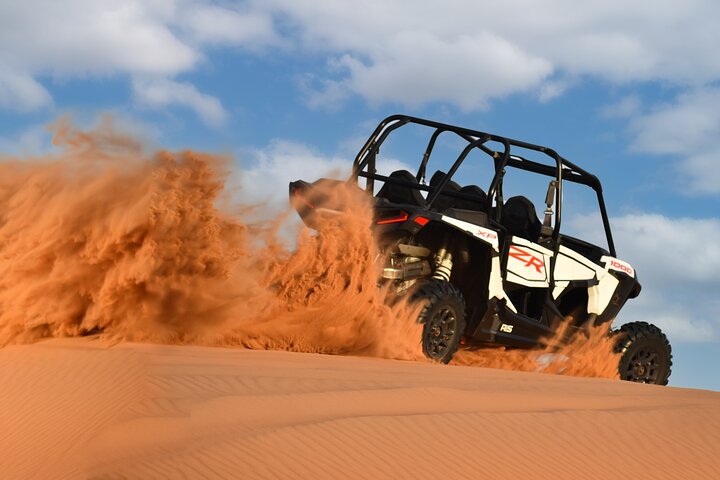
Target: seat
(520,219)
(478,203)
(443,202)
(401,193)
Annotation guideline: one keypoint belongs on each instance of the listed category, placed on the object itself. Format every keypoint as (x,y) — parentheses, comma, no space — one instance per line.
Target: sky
(291,88)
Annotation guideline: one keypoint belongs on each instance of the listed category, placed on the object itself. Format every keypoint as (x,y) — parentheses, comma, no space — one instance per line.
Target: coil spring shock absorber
(443,262)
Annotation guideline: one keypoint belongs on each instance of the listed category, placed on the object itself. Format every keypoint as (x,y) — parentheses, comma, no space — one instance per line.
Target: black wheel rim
(440,332)
(643,367)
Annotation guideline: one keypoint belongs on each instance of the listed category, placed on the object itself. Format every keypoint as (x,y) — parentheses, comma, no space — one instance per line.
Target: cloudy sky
(629,90)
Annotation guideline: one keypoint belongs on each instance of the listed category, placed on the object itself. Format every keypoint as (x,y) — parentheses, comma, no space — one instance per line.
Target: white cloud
(136,38)
(466,52)
(551,90)
(678,265)
(702,170)
(77,37)
(31,141)
(688,129)
(328,97)
(462,52)
(21,92)
(686,318)
(36,140)
(213,24)
(265,173)
(689,248)
(157,93)
(692,121)
(415,68)
(626,107)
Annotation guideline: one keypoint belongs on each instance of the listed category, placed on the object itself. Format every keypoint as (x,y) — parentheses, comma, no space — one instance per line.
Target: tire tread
(633,332)
(433,292)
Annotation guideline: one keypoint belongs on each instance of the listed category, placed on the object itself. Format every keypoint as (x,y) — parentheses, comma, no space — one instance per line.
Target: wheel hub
(644,367)
(441,331)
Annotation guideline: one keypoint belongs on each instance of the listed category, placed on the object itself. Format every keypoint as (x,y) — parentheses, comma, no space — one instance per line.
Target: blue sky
(628,90)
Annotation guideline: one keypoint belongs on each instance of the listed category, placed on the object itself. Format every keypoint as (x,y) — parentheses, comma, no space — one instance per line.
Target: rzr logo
(528,258)
(621,267)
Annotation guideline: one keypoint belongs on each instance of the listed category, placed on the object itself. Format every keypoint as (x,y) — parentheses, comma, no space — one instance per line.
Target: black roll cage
(563,169)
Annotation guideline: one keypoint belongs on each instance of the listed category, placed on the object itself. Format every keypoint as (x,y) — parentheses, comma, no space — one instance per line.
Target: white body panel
(600,295)
(495,286)
(616,264)
(528,263)
(570,265)
(484,234)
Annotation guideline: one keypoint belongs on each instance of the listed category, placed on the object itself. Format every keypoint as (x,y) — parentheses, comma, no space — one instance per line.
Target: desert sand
(80,408)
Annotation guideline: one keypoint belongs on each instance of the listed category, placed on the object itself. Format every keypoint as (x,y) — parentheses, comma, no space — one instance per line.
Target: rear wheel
(646,355)
(443,318)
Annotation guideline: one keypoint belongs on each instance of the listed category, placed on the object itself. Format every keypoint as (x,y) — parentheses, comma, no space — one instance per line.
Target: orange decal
(528,258)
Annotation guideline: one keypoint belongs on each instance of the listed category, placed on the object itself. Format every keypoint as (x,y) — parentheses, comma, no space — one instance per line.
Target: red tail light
(395,217)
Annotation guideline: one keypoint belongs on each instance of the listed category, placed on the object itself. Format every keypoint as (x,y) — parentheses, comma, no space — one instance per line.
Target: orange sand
(76,408)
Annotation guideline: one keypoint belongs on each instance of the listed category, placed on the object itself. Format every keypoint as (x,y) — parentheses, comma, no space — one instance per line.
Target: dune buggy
(488,270)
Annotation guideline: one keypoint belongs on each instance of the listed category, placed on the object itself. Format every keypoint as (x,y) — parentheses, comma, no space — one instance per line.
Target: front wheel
(646,356)
(443,319)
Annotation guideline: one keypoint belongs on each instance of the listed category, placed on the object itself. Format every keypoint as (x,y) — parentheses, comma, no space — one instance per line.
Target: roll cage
(564,170)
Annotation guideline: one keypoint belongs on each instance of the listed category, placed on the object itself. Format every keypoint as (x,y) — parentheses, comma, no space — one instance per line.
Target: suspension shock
(443,262)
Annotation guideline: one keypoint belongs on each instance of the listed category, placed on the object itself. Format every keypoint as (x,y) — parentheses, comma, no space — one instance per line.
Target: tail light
(392,217)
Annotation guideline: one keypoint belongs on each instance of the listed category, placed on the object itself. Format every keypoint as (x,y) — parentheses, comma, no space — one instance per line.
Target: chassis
(488,269)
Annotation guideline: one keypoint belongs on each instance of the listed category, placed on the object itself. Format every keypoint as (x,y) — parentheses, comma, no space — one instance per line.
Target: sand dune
(77,408)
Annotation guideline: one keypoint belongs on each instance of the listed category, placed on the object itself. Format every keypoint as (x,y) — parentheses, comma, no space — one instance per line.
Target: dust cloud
(589,354)
(100,237)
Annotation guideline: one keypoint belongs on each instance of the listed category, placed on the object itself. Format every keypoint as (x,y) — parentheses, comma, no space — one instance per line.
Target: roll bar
(563,169)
